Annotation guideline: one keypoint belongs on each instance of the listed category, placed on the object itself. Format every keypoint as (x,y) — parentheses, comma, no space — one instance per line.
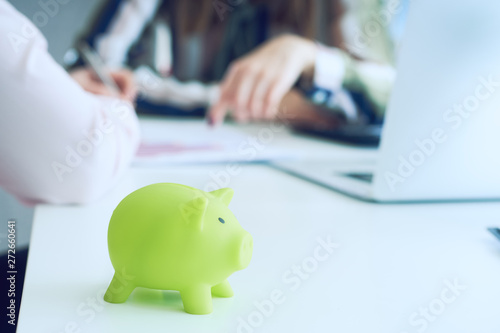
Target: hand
(91,83)
(255,84)
(295,109)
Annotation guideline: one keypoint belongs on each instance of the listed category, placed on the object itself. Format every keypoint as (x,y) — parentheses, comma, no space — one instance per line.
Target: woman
(262,53)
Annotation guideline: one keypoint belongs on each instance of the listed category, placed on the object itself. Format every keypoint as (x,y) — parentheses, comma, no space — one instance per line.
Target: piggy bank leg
(119,290)
(222,289)
(197,300)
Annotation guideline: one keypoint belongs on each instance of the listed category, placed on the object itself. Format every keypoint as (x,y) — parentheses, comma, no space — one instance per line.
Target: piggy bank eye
(221,220)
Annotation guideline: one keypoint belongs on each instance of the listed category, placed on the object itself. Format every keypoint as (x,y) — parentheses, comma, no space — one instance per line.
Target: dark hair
(300,15)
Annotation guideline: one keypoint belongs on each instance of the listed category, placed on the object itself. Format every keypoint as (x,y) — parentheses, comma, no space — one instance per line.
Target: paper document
(166,142)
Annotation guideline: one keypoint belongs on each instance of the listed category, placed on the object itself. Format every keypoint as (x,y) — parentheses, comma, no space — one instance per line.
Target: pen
(97,65)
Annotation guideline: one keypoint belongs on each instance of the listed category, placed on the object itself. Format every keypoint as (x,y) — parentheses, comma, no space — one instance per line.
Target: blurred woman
(245,57)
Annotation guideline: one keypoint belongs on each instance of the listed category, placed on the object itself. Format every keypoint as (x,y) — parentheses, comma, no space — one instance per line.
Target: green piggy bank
(175,237)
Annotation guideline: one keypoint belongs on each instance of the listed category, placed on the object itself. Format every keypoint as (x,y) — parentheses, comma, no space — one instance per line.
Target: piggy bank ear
(193,212)
(224,194)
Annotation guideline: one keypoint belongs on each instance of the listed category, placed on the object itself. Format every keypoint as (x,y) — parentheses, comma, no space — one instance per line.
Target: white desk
(391,261)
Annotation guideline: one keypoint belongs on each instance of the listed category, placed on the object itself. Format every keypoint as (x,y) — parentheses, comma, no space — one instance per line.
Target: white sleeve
(329,68)
(169,90)
(58,143)
(125,29)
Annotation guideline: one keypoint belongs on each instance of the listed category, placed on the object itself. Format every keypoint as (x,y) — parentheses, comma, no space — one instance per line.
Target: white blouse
(58,143)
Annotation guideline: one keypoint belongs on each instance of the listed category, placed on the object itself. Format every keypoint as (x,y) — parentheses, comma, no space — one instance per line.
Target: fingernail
(210,121)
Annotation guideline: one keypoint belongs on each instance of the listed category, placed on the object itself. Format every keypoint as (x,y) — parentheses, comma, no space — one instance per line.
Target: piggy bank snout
(245,250)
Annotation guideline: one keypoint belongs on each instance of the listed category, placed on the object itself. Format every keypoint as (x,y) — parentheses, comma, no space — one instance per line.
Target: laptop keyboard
(366,177)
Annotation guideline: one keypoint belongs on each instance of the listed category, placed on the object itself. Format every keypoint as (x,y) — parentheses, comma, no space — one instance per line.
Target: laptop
(441,135)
